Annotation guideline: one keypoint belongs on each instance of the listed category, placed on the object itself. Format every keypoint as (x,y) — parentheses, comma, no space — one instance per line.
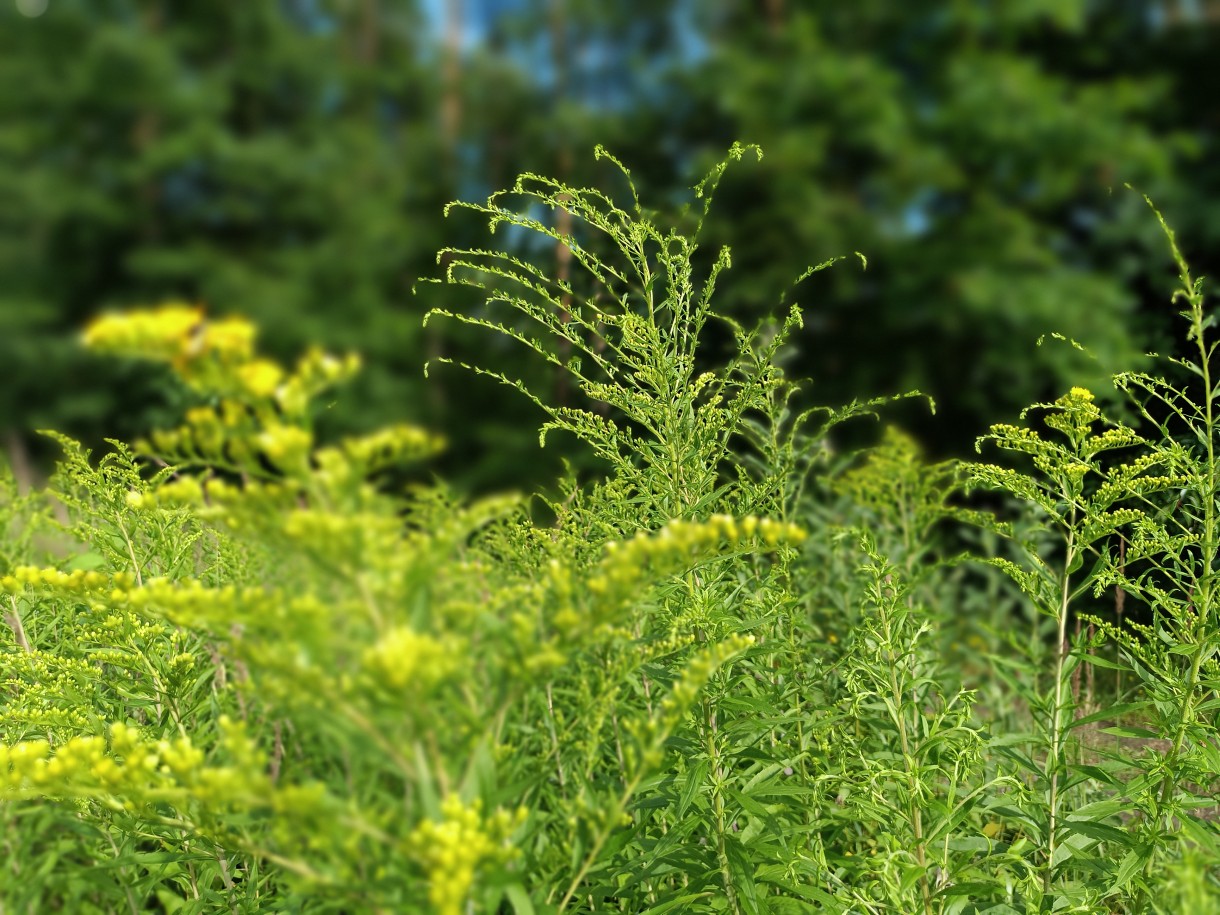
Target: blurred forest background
(289,160)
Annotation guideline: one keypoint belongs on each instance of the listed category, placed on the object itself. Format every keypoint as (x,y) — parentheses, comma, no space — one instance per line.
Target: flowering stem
(1053,761)
(13,619)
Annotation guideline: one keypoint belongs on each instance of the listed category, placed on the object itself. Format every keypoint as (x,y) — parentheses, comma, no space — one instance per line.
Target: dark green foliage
(967,158)
(288,160)
(234,155)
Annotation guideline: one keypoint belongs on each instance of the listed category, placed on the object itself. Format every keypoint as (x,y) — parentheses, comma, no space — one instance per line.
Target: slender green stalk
(721,827)
(1208,545)
(913,785)
(1054,761)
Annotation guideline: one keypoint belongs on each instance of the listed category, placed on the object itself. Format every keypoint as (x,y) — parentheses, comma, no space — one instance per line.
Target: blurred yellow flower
(260,377)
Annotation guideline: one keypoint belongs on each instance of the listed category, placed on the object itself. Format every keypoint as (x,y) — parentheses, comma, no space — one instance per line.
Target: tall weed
(737,673)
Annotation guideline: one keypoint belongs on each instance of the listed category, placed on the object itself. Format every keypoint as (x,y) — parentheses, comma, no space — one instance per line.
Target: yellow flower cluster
(75,582)
(673,707)
(1117,437)
(182,490)
(675,544)
(192,604)
(392,445)
(133,768)
(118,603)
(1075,471)
(993,475)
(353,535)
(286,446)
(1015,438)
(1079,412)
(315,371)
(175,333)
(338,472)
(1127,480)
(260,378)
(452,850)
(227,434)
(699,670)
(577,606)
(187,602)
(217,356)
(406,659)
(218,499)
(1107,522)
(1151,539)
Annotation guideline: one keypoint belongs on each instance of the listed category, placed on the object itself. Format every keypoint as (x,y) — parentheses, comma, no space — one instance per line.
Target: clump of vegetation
(249,670)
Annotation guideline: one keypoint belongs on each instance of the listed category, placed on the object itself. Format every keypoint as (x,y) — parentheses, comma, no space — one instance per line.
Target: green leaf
(1101,831)
(1128,731)
(1131,864)
(741,866)
(1112,712)
(678,903)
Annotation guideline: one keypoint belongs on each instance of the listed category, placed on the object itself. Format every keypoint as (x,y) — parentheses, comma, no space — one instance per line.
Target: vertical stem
(1120,599)
(914,811)
(131,899)
(599,841)
(563,273)
(722,855)
(1090,694)
(1207,544)
(1053,758)
(13,619)
(550,721)
(131,550)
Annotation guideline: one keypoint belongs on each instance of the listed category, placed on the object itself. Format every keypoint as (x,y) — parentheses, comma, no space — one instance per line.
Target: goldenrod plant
(1102,826)
(630,328)
(385,646)
(245,668)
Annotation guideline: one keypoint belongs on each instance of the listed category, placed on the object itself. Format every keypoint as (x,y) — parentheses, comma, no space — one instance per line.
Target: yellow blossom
(164,332)
(260,377)
(404,658)
(230,338)
(452,850)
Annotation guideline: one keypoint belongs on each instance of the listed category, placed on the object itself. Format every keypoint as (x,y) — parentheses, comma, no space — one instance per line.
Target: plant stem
(13,619)
(1207,545)
(550,720)
(913,809)
(722,854)
(131,550)
(1053,759)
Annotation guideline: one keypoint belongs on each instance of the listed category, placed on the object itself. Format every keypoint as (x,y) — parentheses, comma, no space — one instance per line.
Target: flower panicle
(452,849)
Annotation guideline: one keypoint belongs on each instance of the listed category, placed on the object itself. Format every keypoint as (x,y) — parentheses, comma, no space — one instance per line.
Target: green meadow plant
(686,442)
(371,641)
(684,436)
(1078,512)
(671,426)
(1172,566)
(1108,824)
(243,669)
(366,729)
(910,755)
